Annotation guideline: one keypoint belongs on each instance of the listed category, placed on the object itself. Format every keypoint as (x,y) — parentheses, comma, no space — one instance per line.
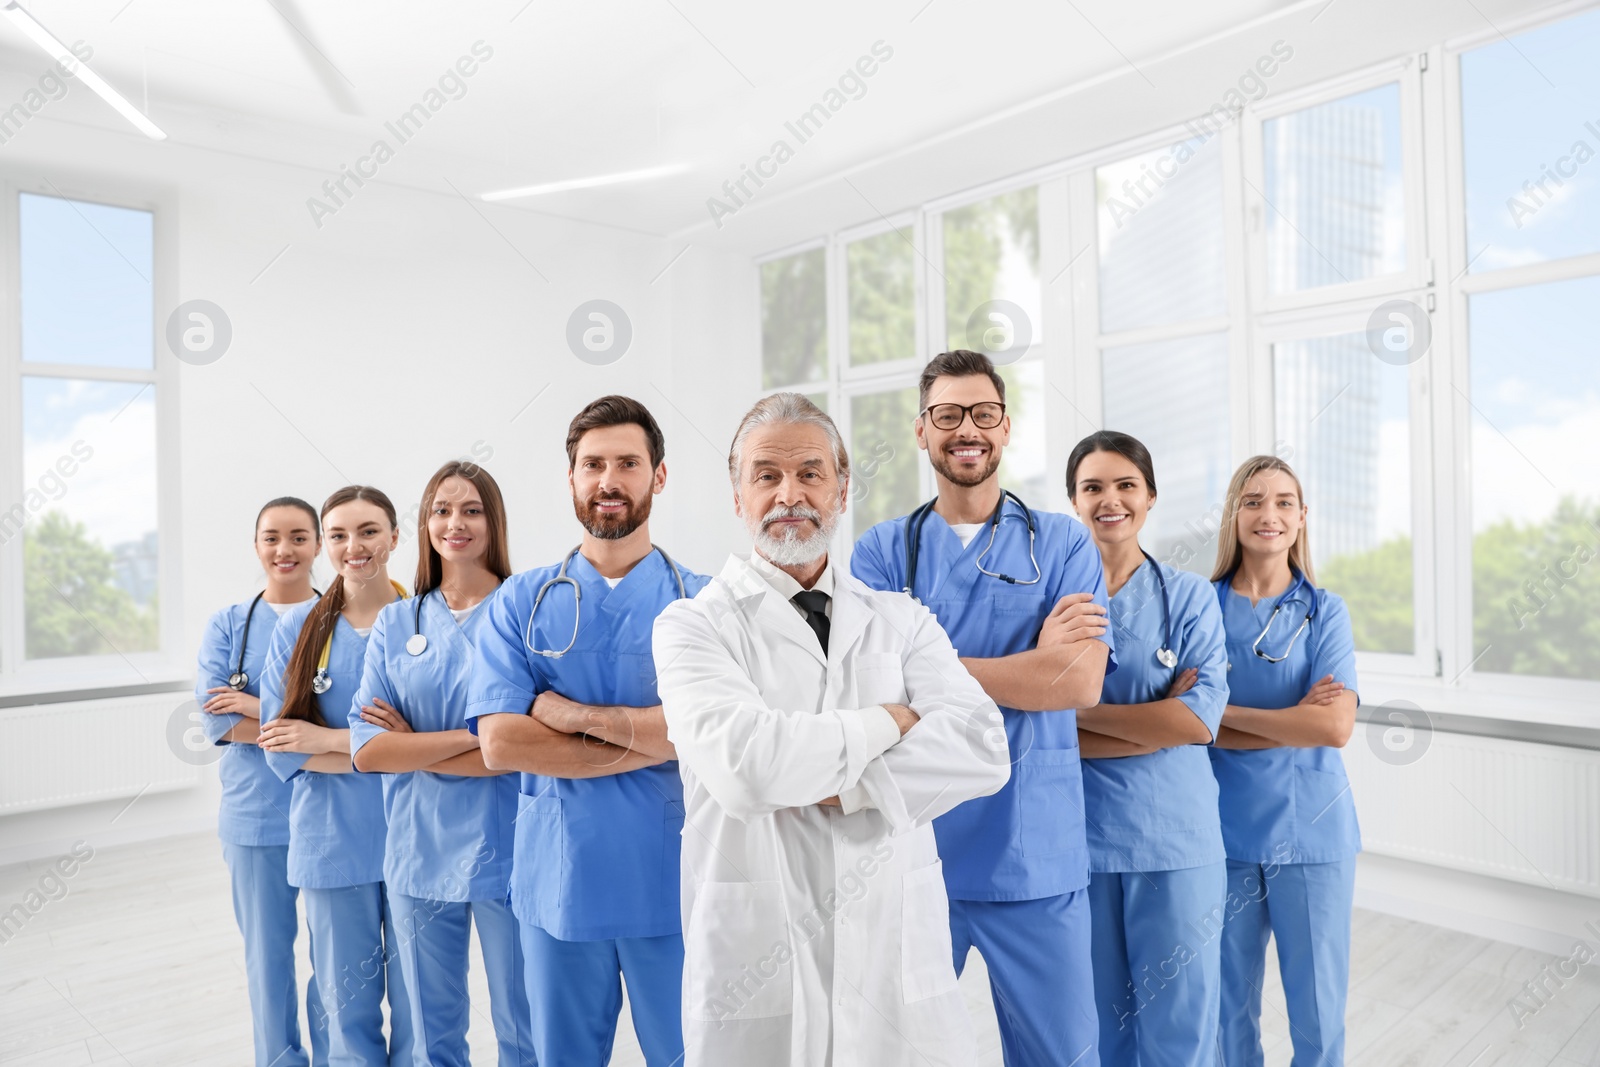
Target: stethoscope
(321,683)
(914,538)
(577,603)
(417,643)
(239,678)
(1164,655)
(1311,613)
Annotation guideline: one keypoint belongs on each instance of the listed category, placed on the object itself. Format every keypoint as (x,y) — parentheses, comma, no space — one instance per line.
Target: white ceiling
(974,91)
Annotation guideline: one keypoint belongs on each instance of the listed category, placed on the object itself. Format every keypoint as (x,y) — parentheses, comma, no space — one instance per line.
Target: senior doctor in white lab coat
(820,727)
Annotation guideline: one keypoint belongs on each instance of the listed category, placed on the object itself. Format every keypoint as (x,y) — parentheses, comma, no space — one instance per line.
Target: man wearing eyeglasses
(1021,594)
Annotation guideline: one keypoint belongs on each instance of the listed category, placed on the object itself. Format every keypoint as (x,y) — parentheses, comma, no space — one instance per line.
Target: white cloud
(113,493)
(1524,474)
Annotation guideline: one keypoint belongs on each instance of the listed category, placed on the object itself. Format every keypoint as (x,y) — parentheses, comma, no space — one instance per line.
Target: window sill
(1531,701)
(28,688)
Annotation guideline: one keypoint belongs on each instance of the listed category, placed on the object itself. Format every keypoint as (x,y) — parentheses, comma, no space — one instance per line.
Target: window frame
(1438,674)
(109,672)
(1512,696)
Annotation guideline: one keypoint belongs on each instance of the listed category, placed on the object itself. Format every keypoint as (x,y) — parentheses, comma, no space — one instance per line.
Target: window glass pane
(1343,424)
(1530,131)
(85,279)
(819,399)
(991,252)
(883,457)
(882,298)
(1535,483)
(1173,396)
(1023,468)
(87,518)
(794,320)
(1162,252)
(1335,193)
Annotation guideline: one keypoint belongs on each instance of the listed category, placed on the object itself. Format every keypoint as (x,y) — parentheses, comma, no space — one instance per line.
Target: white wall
(406,331)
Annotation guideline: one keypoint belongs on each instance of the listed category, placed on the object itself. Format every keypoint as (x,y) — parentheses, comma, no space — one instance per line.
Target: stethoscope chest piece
(238,680)
(417,644)
(1166,657)
(321,683)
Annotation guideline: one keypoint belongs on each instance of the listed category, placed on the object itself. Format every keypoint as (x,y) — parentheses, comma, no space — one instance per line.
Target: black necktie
(815,605)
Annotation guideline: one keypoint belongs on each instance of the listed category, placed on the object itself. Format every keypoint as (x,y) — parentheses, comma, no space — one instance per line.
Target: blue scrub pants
(431,942)
(263,903)
(576,996)
(1306,908)
(1158,964)
(1037,952)
(350,928)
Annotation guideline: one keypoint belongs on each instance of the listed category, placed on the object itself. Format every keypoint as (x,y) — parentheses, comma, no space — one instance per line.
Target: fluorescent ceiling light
(588,183)
(63,55)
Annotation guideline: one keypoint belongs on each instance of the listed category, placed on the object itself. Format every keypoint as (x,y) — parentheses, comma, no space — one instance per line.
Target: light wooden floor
(140,963)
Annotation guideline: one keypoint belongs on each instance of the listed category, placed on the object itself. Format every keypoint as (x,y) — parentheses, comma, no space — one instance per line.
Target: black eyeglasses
(985,416)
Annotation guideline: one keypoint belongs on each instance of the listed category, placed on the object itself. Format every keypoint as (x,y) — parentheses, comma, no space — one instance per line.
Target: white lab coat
(817,936)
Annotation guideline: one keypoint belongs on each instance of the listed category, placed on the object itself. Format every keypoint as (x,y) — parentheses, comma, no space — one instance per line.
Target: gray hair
(785,408)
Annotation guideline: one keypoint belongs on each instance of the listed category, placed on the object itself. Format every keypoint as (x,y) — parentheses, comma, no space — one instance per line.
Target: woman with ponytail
(1288,821)
(336,820)
(253,820)
(447,863)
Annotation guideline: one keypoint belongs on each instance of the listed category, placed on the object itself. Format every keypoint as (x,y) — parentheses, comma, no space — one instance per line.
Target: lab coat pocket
(880,679)
(927,967)
(1049,796)
(738,962)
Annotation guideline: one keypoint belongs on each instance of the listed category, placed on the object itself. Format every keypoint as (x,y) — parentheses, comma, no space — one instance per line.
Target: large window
(1531,402)
(1162,334)
(83,532)
(1401,309)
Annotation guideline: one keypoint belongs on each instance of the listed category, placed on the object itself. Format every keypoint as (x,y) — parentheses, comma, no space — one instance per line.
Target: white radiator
(1513,809)
(70,753)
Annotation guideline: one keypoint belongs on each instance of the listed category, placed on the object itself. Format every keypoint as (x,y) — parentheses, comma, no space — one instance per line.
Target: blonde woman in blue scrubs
(1157,874)
(1288,821)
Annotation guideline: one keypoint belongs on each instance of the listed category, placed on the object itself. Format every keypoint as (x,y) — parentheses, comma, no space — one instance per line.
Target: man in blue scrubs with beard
(1021,594)
(564,690)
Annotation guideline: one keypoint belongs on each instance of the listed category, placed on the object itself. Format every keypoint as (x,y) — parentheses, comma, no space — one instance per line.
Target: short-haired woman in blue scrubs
(253,821)
(1156,865)
(1288,821)
(447,864)
(336,822)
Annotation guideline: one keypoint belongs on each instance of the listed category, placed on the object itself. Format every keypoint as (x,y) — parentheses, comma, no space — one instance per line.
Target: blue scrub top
(1275,799)
(255,803)
(1026,841)
(336,825)
(596,858)
(450,836)
(1159,812)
